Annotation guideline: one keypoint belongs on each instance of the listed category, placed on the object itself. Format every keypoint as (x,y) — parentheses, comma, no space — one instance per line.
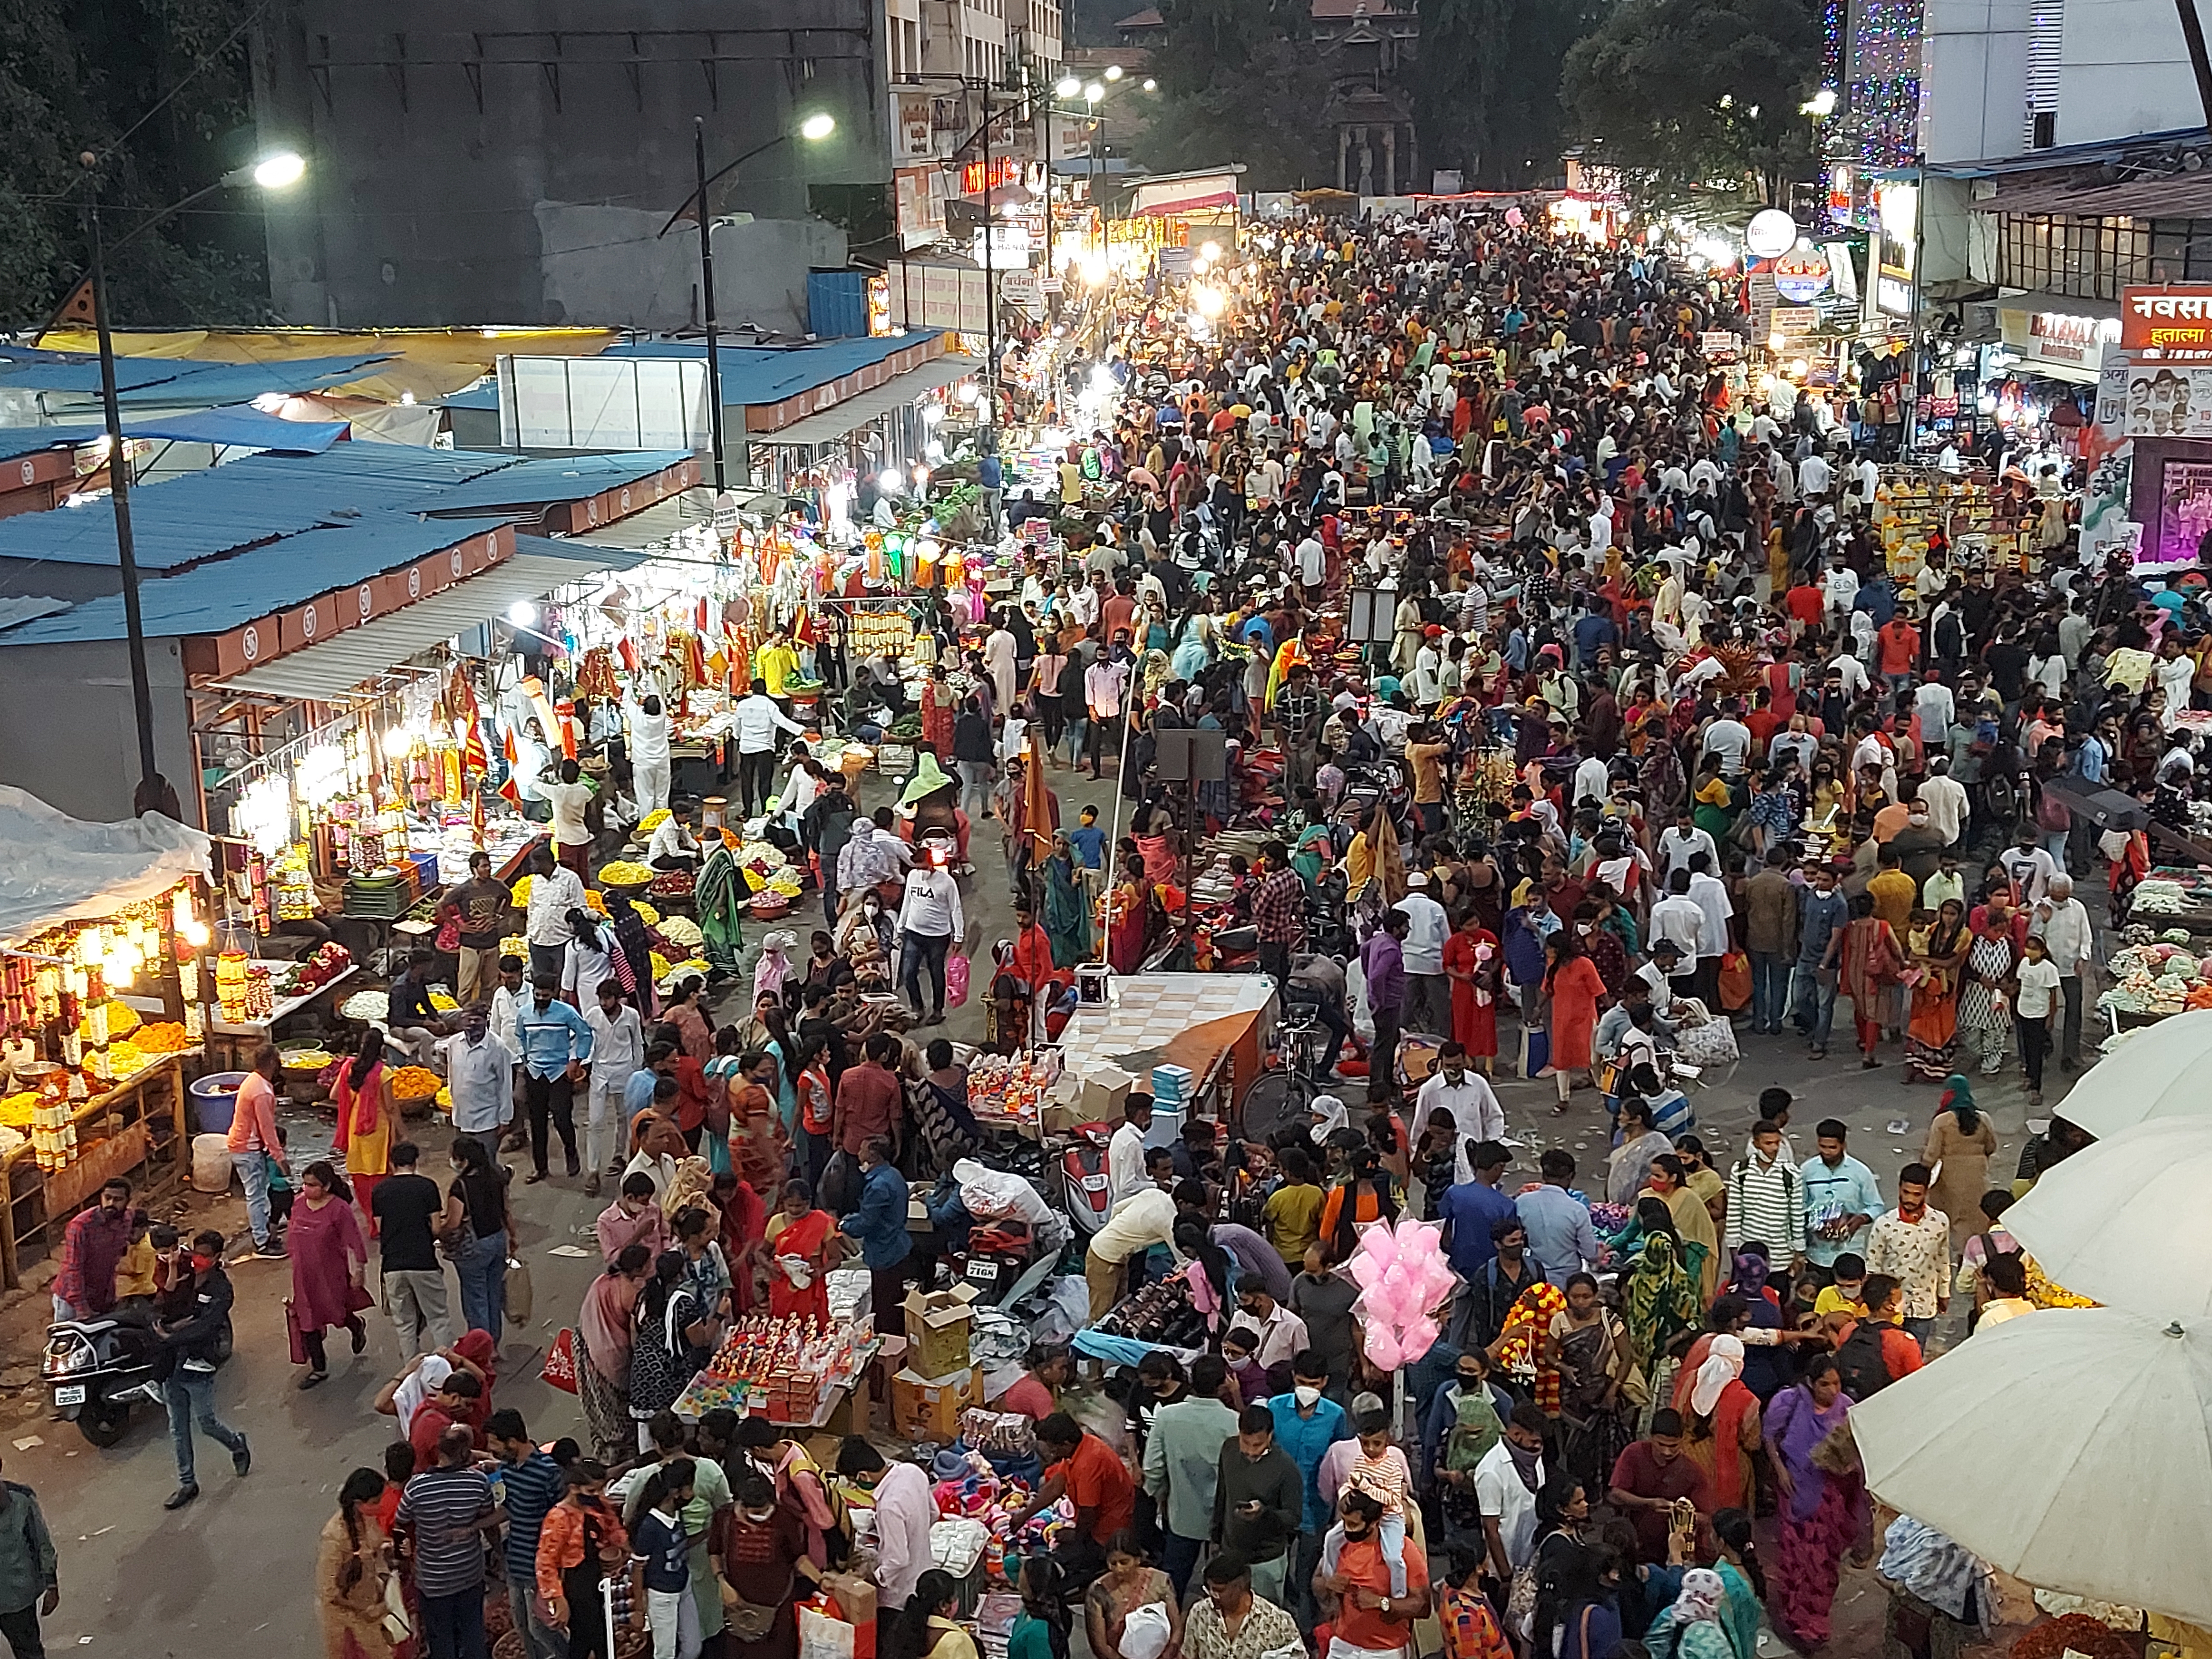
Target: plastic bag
(559,1370)
(822,1636)
(1145,1632)
(956,981)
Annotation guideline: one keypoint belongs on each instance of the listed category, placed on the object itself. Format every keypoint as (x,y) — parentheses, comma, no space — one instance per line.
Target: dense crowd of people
(1589,726)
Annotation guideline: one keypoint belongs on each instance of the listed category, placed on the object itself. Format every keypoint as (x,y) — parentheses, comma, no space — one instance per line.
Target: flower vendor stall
(102,981)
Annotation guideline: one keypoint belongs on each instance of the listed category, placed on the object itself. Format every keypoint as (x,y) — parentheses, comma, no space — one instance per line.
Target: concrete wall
(68,733)
(2124,70)
(447,150)
(1975,107)
(622,272)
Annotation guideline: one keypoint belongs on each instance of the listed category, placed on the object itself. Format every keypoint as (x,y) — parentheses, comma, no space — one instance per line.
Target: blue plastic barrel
(215,1102)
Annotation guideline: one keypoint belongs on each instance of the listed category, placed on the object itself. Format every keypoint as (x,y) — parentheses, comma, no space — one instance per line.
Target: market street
(225,1575)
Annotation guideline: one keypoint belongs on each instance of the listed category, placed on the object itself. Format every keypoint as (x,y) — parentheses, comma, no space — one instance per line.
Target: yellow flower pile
(307,1060)
(127,1059)
(122,1019)
(163,1037)
(623,873)
(515,945)
(15,1110)
(594,902)
(646,913)
(653,821)
(445,1100)
(660,966)
(520,892)
(414,1083)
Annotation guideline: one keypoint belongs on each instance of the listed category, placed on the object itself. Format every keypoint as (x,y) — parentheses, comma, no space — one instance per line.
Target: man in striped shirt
(1767,1200)
(444,1518)
(531,1484)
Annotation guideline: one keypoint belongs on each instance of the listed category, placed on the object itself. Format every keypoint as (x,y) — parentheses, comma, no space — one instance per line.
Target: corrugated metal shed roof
(768,374)
(205,514)
(228,592)
(239,426)
(334,666)
(556,478)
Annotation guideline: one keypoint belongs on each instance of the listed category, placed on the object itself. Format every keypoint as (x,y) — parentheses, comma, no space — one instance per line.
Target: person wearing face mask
(1281,1333)
(1306,1426)
(660,1565)
(1373,1616)
(556,1044)
(1259,1502)
(480,1073)
(189,1338)
(709,1494)
(905,1511)
(1506,1482)
(1183,1464)
(1490,1406)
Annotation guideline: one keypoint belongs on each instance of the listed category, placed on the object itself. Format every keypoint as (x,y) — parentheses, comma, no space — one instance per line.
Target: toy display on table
(1013,1086)
(783,1367)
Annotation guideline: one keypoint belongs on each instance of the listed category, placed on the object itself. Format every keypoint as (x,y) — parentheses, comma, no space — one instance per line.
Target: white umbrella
(2068,1447)
(2157,1073)
(2125,1221)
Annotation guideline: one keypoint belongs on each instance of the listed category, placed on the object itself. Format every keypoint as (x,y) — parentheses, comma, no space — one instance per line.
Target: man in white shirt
(2070,940)
(618,1051)
(1839,588)
(674,846)
(1125,1151)
(1846,666)
(2030,868)
(1815,475)
(1428,992)
(480,1073)
(1679,843)
(757,720)
(649,753)
(1945,798)
(1468,1096)
(554,891)
(1506,1501)
(1729,738)
(1711,895)
(1593,782)
(1680,920)
(569,795)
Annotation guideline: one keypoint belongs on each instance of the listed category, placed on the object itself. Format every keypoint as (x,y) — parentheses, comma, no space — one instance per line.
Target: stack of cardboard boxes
(937,1381)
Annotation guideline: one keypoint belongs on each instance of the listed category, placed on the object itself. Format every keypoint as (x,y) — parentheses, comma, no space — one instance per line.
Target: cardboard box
(1105,1091)
(937,1325)
(850,1415)
(1171,1084)
(928,1408)
(856,1599)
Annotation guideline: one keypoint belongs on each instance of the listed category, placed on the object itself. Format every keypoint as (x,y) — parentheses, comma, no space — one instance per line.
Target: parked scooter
(98,1368)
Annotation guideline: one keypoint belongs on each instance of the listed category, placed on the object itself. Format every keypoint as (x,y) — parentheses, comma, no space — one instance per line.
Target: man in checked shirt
(1298,712)
(1279,911)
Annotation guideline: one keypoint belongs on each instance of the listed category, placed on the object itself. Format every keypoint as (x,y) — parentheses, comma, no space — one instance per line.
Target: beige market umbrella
(2160,1072)
(2071,1447)
(2125,1221)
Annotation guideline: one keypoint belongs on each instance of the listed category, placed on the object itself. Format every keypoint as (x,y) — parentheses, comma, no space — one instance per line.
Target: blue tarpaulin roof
(238,426)
(206,515)
(768,374)
(229,592)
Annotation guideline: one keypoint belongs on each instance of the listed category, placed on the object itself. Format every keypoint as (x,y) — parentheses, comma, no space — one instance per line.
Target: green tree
(1210,39)
(1483,104)
(1690,97)
(1262,111)
(118,77)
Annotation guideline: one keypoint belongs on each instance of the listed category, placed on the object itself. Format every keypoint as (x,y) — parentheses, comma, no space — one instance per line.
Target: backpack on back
(1860,1361)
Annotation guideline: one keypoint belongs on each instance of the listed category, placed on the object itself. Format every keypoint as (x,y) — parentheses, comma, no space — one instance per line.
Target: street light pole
(707,299)
(990,281)
(119,488)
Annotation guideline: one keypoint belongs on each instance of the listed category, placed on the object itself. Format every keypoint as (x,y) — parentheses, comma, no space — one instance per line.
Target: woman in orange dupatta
(366,1115)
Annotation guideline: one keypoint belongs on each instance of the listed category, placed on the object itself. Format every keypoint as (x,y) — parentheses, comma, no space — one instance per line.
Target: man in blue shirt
(1823,913)
(1088,840)
(1842,1198)
(555,1043)
(1469,1211)
(878,1221)
(1306,1425)
(530,1484)
(1560,1235)
(1594,629)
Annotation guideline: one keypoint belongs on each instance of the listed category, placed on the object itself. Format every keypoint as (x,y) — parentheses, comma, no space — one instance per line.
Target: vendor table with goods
(2173,896)
(2155,977)
(256,1000)
(1216,1026)
(790,1369)
(58,1152)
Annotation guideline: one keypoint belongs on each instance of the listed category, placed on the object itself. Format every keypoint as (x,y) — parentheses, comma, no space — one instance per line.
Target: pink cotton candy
(1419,1337)
(1382,1348)
(1366,1272)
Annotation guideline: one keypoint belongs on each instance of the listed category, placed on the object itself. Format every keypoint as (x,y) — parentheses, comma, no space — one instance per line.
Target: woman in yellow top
(366,1113)
(1359,858)
(776,664)
(925,1628)
(350,1569)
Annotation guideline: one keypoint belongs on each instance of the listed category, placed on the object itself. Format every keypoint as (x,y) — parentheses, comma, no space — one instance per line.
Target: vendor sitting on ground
(674,845)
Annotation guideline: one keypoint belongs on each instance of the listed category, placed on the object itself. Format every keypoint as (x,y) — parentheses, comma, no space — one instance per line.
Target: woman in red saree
(937,710)
(1472,963)
(1128,915)
(802,1244)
